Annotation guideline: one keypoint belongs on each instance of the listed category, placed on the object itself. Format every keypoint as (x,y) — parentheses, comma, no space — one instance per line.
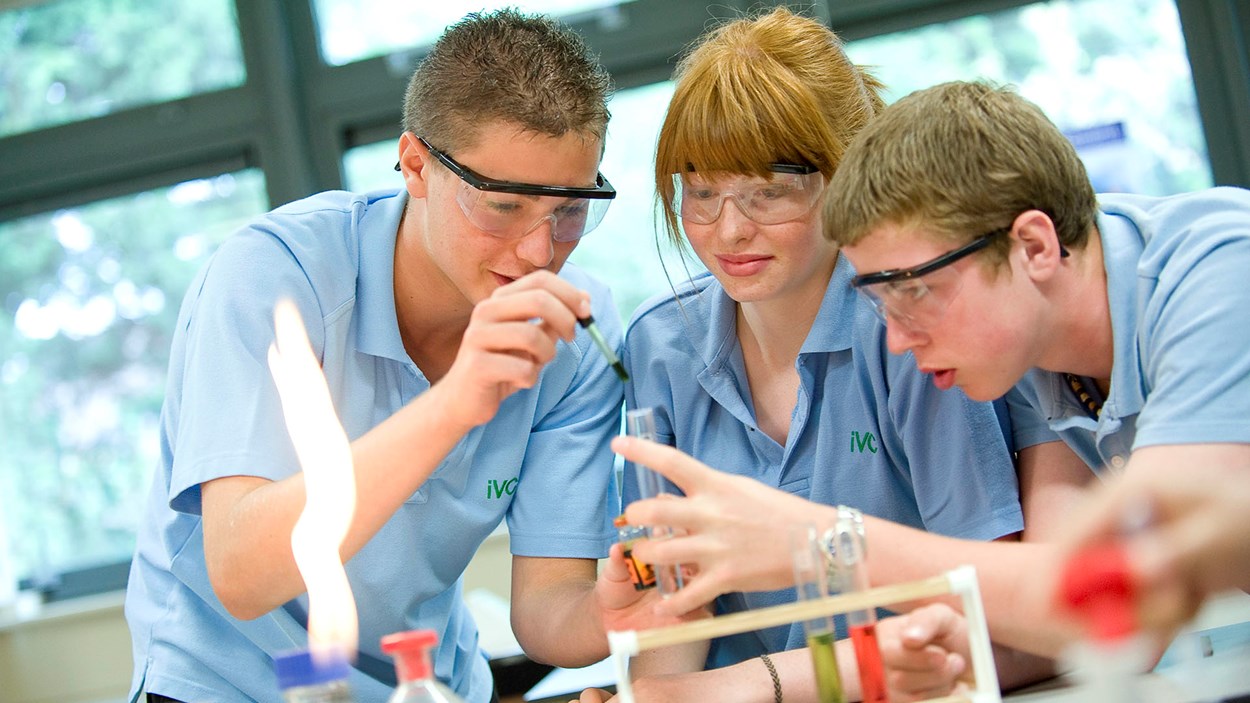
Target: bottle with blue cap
(304,678)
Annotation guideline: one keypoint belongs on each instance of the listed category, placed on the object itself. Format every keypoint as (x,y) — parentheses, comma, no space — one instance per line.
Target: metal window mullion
(1217,39)
(124,152)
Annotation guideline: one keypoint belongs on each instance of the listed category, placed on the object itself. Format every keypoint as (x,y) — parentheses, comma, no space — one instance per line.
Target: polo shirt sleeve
(956,453)
(229,416)
(1194,332)
(570,515)
(1028,424)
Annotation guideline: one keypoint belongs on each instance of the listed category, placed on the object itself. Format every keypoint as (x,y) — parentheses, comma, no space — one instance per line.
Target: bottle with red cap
(1097,587)
(411,651)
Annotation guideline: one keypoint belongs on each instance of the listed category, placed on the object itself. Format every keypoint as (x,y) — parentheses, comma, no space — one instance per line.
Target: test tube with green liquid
(810,574)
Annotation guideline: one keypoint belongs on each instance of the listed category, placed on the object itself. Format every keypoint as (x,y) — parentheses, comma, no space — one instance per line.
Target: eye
(774,192)
(575,208)
(907,291)
(499,206)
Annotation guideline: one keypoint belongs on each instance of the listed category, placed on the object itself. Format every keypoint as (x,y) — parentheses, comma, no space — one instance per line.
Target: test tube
(641,423)
(811,584)
(849,573)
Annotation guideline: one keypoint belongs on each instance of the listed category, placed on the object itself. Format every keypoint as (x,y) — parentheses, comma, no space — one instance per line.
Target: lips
(742,264)
(944,379)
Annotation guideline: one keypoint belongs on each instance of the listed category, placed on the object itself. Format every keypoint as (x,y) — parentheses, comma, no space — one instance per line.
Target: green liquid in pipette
(825,662)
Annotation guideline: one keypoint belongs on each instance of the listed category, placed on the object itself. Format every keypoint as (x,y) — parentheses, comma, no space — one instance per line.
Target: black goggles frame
(602,189)
(798,169)
(950,257)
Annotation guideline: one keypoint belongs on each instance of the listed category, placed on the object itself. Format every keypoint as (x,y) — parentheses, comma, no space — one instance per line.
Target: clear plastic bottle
(417,684)
(305,679)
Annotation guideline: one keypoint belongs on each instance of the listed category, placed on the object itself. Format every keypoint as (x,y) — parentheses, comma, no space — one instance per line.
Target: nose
(733,222)
(899,337)
(537,246)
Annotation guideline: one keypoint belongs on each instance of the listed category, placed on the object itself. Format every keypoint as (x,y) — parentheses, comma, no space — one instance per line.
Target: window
(73,59)
(90,296)
(1113,74)
(624,251)
(351,30)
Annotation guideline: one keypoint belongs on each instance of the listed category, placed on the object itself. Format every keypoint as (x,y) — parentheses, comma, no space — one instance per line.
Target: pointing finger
(685,472)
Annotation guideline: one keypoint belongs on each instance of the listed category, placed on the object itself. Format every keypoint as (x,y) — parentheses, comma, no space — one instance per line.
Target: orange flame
(329,483)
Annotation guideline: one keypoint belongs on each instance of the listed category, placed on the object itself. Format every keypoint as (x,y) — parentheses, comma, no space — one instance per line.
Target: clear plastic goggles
(789,193)
(917,303)
(511,210)
(509,216)
(918,297)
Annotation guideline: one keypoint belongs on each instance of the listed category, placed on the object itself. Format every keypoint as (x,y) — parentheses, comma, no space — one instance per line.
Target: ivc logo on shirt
(496,488)
(862,442)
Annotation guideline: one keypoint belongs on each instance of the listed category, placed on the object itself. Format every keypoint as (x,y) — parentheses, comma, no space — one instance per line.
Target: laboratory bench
(37,646)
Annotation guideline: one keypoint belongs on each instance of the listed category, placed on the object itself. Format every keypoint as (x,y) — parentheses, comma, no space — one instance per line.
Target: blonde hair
(960,159)
(756,91)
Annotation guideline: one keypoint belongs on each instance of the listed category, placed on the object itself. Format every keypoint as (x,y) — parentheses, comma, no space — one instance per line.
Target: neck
(432,315)
(1084,343)
(777,327)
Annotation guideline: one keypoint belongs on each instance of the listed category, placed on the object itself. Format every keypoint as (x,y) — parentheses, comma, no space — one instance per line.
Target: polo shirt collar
(1122,246)
(833,328)
(377,229)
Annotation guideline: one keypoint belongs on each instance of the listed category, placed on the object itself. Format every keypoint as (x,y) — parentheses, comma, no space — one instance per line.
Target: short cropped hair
(509,67)
(776,87)
(960,159)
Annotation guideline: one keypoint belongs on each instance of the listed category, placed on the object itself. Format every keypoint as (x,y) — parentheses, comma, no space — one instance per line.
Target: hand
(623,607)
(594,695)
(925,653)
(1195,540)
(510,337)
(733,530)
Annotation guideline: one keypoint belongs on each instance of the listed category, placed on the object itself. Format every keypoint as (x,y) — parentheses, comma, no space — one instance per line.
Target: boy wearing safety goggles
(1124,319)
(447,326)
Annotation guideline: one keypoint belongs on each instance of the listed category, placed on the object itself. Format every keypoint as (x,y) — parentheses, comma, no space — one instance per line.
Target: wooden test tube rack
(961,582)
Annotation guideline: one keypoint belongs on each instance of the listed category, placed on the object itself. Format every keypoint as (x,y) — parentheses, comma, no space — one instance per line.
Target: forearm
(248,521)
(796,672)
(1006,573)
(1016,668)
(677,659)
(555,615)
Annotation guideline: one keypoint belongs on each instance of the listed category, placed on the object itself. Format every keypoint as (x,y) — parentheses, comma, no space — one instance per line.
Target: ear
(414,163)
(1039,251)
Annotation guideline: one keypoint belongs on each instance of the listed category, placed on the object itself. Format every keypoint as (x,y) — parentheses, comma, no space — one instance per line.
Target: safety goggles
(510,210)
(790,192)
(918,297)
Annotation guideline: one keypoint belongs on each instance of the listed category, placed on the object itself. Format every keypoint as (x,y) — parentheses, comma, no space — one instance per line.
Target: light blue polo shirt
(868,430)
(542,463)
(1178,285)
